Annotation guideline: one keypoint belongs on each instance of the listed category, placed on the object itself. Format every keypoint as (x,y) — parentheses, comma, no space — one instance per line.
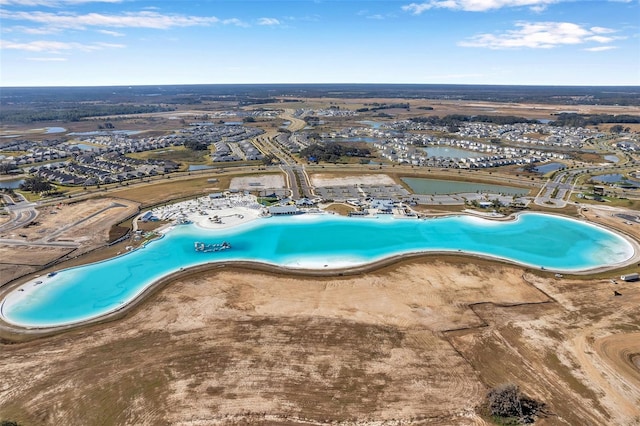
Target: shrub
(507,402)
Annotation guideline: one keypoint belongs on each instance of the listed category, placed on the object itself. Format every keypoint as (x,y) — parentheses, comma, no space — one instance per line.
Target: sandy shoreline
(238,209)
(306,269)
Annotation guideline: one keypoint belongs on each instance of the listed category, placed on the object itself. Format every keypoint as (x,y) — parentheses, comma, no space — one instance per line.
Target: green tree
(196,145)
(269,159)
(36,184)
(6,168)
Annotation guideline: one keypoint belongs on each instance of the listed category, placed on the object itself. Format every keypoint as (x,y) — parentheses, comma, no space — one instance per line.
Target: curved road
(22,213)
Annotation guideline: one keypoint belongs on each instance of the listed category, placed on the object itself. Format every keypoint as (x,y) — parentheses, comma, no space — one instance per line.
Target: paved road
(557,190)
(296,176)
(22,213)
(291,181)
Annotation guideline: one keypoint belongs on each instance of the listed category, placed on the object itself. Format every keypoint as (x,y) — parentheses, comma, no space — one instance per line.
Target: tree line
(583,120)
(457,119)
(332,152)
(73,113)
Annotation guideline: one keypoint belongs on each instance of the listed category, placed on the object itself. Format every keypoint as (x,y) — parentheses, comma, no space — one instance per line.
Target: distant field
(445,107)
(178,154)
(158,192)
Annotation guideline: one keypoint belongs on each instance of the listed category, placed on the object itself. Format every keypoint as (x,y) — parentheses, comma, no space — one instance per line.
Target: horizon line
(318,84)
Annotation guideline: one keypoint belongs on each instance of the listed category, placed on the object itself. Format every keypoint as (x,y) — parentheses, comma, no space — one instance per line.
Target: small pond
(195,167)
(11,183)
(549,167)
(616,178)
(439,187)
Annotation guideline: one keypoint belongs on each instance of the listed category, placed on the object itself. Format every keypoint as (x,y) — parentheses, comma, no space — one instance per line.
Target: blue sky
(130,42)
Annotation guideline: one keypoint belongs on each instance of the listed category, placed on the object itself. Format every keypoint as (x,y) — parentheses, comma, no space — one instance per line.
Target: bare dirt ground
(252,183)
(445,107)
(419,342)
(606,216)
(328,179)
(84,226)
(75,221)
(17,261)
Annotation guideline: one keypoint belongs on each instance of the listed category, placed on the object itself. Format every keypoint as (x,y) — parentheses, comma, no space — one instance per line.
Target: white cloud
(31,30)
(600,48)
(538,8)
(484,5)
(268,21)
(601,39)
(475,5)
(48,59)
(234,21)
(538,35)
(374,16)
(52,3)
(145,19)
(111,33)
(601,30)
(56,46)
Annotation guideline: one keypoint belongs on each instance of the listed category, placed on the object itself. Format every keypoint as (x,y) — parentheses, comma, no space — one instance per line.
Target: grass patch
(588,157)
(29,196)
(179,154)
(167,190)
(341,209)
(267,201)
(611,201)
(117,231)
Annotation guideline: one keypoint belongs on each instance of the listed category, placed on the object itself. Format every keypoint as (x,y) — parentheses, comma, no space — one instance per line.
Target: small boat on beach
(207,248)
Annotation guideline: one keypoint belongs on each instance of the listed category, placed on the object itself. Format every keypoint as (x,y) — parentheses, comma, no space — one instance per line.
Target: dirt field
(419,342)
(184,187)
(445,107)
(328,179)
(83,226)
(251,183)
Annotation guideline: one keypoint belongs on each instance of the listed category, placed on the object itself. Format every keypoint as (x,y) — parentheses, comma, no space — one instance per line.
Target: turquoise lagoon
(311,242)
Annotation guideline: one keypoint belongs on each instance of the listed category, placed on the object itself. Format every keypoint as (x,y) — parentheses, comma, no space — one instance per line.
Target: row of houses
(519,133)
(95,169)
(294,142)
(404,150)
(235,151)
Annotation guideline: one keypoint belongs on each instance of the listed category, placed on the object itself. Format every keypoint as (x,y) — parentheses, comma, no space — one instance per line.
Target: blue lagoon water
(311,242)
(549,167)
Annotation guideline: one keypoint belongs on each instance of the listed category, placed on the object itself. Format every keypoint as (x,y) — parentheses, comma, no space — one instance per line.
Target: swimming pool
(311,242)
